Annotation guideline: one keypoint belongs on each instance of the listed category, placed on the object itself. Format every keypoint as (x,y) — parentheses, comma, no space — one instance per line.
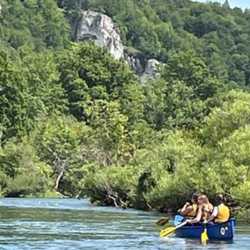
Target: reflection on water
(75,224)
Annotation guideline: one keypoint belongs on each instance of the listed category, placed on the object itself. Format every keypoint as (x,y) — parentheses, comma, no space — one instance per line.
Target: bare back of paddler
(205,209)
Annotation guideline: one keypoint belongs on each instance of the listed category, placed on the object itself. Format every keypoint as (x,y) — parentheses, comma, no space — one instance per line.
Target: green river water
(76,224)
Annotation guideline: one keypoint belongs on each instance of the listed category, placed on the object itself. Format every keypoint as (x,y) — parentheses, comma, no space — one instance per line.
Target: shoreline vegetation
(75,121)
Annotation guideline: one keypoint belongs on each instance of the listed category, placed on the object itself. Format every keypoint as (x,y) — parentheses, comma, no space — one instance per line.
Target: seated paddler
(204,210)
(189,210)
(221,212)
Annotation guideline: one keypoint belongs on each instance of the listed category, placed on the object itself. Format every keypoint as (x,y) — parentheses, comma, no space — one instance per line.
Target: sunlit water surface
(75,224)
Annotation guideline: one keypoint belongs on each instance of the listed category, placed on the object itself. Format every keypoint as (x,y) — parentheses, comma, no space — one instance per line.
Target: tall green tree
(89,73)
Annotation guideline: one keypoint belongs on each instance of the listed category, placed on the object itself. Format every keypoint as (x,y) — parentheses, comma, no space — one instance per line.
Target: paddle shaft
(181,225)
(168,231)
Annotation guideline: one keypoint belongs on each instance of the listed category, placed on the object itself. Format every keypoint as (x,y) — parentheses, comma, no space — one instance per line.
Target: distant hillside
(160,28)
(157,28)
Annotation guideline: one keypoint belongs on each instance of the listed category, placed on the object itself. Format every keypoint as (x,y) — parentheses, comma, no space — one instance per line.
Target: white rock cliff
(101,29)
(151,70)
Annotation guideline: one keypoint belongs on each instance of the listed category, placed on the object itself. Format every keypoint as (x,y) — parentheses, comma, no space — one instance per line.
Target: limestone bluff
(100,28)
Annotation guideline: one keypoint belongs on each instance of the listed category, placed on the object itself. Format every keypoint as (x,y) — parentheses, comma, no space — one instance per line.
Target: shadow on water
(75,224)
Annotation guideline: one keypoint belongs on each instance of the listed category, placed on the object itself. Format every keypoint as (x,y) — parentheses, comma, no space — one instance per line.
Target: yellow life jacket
(193,212)
(223,214)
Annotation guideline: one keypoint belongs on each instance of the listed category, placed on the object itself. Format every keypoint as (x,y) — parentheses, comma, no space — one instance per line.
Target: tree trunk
(58,179)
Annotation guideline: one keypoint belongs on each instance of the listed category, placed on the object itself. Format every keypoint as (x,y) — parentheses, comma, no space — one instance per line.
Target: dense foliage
(75,121)
(162,28)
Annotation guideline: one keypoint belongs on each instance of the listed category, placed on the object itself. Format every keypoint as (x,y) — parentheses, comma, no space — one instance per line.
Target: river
(76,224)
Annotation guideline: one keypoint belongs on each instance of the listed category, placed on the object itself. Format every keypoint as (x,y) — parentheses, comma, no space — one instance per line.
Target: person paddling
(207,208)
(190,209)
(221,212)
(204,210)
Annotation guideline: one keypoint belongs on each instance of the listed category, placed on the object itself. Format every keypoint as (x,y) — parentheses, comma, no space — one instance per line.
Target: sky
(233,3)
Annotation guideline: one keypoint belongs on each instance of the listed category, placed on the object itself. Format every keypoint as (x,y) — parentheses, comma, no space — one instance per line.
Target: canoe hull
(223,231)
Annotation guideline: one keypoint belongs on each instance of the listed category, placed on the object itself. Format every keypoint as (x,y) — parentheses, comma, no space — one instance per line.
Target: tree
(25,173)
(36,23)
(13,98)
(45,91)
(29,90)
(185,95)
(89,73)
(58,141)
(226,5)
(223,121)
(111,134)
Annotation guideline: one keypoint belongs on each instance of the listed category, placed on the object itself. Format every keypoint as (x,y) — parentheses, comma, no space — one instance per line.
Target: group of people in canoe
(201,210)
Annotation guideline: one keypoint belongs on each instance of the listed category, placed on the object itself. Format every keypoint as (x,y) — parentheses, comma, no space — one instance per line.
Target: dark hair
(195,196)
(219,199)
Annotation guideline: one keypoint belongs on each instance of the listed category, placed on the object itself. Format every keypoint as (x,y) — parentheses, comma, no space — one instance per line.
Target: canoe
(218,231)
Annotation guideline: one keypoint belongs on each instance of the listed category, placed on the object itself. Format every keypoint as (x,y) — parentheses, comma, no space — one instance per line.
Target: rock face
(100,28)
(136,60)
(151,70)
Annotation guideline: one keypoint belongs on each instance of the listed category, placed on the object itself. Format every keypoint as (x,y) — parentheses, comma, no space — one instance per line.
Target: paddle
(204,236)
(169,230)
(162,221)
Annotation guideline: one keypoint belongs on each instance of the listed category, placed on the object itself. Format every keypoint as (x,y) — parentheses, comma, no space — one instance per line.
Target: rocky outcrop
(151,70)
(100,29)
(135,59)
(143,67)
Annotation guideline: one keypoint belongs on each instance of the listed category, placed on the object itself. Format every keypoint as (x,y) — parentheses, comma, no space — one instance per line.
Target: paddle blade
(167,231)
(162,221)
(204,237)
